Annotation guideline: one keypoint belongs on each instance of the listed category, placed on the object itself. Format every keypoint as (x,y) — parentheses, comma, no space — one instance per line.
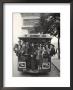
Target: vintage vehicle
(33,53)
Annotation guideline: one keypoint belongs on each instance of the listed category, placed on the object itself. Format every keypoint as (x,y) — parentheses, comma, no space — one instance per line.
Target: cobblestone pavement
(53,73)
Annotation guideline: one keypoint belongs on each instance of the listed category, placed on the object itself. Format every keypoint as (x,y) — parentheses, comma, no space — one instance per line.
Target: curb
(55,66)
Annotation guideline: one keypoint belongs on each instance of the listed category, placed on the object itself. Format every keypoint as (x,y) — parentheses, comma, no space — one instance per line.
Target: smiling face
(43,48)
(32,44)
(46,46)
(19,42)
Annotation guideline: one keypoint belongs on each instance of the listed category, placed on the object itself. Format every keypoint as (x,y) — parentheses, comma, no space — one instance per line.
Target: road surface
(53,73)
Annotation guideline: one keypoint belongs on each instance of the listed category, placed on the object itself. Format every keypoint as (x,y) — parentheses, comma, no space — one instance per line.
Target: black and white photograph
(37,41)
(35,44)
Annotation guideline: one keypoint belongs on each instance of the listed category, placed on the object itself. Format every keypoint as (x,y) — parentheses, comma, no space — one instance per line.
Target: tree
(54,29)
(42,25)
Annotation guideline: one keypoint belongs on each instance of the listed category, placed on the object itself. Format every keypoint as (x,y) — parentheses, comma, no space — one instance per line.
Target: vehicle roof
(35,36)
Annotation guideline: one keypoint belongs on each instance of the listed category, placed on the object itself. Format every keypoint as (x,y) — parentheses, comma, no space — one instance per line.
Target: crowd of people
(34,54)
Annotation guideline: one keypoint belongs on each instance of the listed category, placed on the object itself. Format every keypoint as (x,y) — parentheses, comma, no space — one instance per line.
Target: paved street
(53,73)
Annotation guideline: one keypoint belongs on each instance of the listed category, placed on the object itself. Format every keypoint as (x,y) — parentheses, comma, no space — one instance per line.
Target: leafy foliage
(48,23)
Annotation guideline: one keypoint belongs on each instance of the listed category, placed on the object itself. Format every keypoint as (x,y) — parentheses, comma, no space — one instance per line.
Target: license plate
(46,66)
(22,64)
